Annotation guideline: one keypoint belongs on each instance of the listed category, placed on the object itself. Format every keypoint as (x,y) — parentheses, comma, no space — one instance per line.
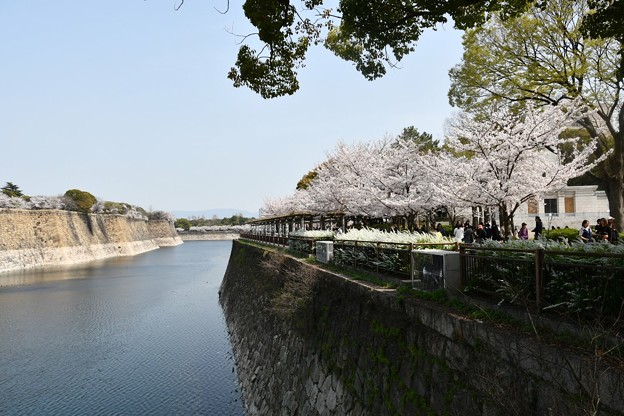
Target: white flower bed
(312,234)
(401,237)
(222,228)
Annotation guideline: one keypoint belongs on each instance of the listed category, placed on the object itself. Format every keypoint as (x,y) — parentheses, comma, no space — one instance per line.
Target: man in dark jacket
(468,234)
(481,234)
(538,227)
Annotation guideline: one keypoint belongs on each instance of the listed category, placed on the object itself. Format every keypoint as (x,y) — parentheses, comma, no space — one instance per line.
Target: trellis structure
(283,225)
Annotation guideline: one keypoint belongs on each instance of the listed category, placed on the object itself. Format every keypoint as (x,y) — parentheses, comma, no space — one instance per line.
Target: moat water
(142,335)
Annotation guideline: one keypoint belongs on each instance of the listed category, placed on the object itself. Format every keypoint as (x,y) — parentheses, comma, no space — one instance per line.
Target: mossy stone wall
(345,348)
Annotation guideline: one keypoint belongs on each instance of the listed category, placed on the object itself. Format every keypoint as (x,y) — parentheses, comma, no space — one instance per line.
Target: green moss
(388,332)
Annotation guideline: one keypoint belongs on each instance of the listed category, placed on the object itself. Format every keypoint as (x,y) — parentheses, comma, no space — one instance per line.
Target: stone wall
(163,233)
(208,236)
(35,238)
(309,342)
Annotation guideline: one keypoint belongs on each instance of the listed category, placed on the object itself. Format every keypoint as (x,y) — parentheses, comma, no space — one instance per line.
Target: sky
(129,100)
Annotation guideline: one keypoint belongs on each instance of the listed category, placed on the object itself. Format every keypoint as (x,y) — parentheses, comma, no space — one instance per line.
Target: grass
(354,274)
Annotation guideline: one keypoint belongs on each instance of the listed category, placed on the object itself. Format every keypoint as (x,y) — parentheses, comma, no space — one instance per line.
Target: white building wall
(589,204)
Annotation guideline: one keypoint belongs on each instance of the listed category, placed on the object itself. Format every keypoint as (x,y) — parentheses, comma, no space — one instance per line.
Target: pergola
(284,224)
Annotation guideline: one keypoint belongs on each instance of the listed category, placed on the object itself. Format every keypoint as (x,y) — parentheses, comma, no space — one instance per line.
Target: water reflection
(53,273)
(132,335)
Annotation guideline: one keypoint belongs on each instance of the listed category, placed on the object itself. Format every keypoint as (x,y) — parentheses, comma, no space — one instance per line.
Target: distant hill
(219,212)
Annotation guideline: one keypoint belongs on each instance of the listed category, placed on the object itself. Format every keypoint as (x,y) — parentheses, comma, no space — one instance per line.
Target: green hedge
(569,234)
(83,200)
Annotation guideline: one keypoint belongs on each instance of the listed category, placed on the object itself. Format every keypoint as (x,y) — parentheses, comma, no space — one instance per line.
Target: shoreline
(209,236)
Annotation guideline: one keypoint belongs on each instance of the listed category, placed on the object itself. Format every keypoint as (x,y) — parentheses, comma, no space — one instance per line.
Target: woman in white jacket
(458,232)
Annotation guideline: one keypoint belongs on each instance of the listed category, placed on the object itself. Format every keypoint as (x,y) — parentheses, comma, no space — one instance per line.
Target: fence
(571,282)
(304,245)
(392,258)
(583,283)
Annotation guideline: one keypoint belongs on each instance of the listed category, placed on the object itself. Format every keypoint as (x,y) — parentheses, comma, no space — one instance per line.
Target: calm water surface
(136,335)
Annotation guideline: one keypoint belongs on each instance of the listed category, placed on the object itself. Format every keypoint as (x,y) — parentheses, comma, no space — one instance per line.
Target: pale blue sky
(129,100)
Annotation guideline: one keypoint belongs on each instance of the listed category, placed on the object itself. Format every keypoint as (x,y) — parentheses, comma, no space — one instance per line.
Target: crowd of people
(466,233)
(605,230)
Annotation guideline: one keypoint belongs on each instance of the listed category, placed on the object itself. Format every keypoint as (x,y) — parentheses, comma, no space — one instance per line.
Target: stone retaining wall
(308,342)
(35,238)
(208,236)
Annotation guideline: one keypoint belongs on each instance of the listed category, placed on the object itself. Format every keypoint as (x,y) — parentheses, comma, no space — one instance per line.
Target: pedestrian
(495,231)
(441,229)
(468,234)
(585,233)
(481,234)
(488,230)
(538,228)
(458,232)
(523,234)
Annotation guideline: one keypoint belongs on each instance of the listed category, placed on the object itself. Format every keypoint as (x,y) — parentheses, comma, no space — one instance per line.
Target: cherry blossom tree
(283,206)
(34,202)
(372,179)
(351,178)
(402,181)
(509,157)
(12,202)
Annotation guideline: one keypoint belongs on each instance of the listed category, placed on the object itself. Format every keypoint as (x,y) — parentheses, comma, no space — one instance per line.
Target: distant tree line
(187,223)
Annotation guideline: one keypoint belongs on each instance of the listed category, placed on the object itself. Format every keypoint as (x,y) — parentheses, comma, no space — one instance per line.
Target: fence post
(462,265)
(355,255)
(411,262)
(539,270)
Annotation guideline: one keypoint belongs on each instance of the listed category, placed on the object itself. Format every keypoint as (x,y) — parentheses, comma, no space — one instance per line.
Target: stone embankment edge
(352,349)
(31,239)
(209,236)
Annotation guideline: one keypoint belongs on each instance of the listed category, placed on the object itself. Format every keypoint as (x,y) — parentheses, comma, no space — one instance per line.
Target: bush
(182,223)
(83,200)
(160,216)
(568,234)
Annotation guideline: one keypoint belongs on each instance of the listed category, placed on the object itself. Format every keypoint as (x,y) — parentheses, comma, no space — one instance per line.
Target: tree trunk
(411,221)
(612,174)
(615,194)
(504,219)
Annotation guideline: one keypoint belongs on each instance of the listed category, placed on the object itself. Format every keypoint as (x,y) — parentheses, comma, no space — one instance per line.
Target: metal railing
(546,278)
(306,245)
(269,239)
(568,281)
(383,256)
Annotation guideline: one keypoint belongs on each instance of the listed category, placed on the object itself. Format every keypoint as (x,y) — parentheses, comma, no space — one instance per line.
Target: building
(567,207)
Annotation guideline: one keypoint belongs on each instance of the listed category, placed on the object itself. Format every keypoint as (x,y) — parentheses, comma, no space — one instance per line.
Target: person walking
(458,232)
(538,228)
(468,234)
(495,232)
(481,234)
